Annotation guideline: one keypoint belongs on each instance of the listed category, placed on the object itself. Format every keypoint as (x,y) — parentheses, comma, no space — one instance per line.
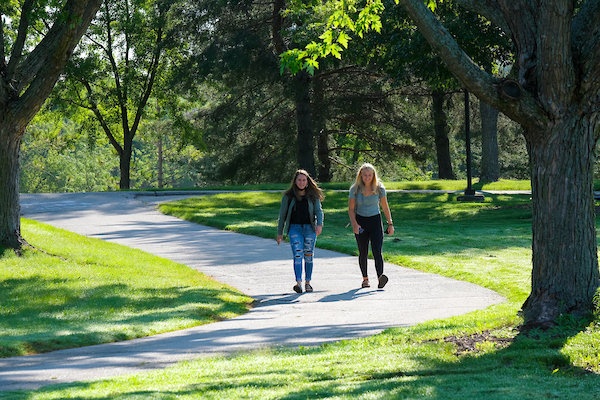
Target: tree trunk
(442,143)
(323,153)
(125,164)
(319,110)
(10,223)
(306,147)
(490,167)
(565,266)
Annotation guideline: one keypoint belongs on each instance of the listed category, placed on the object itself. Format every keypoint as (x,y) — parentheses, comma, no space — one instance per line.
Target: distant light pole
(469,192)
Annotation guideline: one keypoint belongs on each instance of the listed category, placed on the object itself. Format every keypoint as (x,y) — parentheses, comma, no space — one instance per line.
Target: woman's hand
(319,229)
(390,229)
(356,228)
(279,239)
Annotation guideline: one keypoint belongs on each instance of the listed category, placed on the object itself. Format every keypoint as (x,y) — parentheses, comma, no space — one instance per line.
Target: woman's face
(301,181)
(367,176)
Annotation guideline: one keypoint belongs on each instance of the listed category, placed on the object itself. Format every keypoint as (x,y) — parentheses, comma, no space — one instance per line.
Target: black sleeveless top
(300,212)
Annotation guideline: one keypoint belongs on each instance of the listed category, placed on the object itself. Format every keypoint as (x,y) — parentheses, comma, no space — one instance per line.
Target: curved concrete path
(337,309)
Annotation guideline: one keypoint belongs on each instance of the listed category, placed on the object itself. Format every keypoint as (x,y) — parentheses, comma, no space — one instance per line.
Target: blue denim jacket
(315,212)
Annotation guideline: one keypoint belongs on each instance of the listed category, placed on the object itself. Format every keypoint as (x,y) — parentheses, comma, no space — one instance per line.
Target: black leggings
(372,232)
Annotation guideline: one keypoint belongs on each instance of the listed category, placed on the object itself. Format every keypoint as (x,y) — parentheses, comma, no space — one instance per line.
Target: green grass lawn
(485,243)
(81,291)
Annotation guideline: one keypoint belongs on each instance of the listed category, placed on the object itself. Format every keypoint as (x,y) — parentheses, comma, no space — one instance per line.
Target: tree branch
(17,50)
(149,82)
(94,108)
(46,62)
(277,26)
(2,47)
(6,88)
(121,96)
(555,56)
(524,111)
(489,9)
(586,43)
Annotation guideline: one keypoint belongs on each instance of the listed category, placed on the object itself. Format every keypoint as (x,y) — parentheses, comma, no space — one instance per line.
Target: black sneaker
(298,289)
(382,281)
(308,288)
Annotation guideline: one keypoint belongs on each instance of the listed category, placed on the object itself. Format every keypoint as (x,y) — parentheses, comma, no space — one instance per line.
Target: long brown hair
(313,192)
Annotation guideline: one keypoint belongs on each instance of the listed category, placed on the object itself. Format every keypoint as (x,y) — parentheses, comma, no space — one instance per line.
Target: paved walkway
(337,309)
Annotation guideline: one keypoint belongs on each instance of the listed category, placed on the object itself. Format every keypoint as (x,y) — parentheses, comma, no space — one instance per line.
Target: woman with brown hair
(301,215)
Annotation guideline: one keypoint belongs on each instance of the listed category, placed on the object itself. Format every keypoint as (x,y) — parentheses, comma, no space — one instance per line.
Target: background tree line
(169,93)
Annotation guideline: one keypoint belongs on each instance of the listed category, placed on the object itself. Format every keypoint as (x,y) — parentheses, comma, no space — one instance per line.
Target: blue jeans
(302,240)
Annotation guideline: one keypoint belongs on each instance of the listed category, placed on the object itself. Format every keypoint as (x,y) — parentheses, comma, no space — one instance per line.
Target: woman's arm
(352,215)
(388,215)
(320,217)
(282,217)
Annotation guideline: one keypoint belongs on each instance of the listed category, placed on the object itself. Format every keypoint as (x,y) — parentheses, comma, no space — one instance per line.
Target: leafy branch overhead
(346,16)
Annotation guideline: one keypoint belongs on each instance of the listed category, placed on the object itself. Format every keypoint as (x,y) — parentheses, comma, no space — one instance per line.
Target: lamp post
(469,192)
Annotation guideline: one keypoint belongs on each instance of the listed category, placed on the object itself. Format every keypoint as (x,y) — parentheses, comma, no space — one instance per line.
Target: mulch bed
(468,344)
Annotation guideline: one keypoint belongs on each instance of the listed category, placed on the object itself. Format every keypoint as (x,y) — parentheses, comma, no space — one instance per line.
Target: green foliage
(69,155)
(406,55)
(57,157)
(344,16)
(244,130)
(126,57)
(248,120)
(80,291)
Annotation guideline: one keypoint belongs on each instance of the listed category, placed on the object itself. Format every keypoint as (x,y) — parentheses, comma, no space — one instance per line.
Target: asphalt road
(337,309)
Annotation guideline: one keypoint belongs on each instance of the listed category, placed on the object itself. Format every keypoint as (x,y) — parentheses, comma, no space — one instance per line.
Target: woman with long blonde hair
(366,196)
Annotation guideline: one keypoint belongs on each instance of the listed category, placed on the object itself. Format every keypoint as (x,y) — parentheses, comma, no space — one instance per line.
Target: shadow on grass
(44,310)
(532,366)
(5,250)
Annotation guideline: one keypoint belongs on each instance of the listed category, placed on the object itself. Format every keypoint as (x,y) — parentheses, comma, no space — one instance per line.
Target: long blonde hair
(313,191)
(359,185)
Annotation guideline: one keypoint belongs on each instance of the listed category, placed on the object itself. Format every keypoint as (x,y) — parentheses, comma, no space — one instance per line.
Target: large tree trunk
(565,265)
(10,224)
(442,143)
(125,168)
(490,167)
(306,147)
